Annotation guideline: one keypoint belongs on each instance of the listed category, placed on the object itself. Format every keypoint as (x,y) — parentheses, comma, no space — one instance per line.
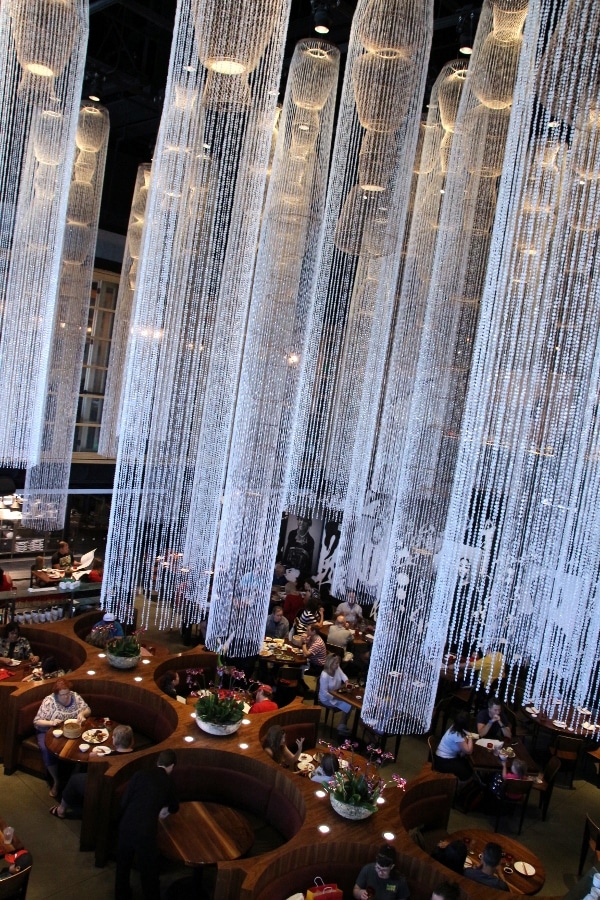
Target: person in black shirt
(149,795)
(63,558)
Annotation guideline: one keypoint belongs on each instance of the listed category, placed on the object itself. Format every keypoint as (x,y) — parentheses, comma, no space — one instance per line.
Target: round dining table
(70,748)
(202,833)
(514,854)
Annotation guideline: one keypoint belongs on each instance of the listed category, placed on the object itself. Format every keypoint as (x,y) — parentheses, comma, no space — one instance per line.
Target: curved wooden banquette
(232,770)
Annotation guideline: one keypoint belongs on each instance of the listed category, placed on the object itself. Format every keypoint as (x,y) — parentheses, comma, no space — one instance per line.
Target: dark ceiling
(128,60)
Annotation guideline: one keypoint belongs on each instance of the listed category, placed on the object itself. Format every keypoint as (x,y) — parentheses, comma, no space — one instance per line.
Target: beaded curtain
(192,295)
(368,195)
(369,501)
(109,429)
(531,448)
(42,56)
(284,284)
(402,677)
(47,482)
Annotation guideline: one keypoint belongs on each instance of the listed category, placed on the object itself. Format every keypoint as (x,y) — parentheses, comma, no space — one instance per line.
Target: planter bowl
(348,811)
(123,662)
(213,728)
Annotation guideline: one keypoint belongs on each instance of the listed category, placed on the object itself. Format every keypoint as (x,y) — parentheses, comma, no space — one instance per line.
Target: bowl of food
(84,748)
(57,732)
(71,729)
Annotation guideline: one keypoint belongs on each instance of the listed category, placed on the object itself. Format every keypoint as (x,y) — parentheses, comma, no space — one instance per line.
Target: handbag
(322,891)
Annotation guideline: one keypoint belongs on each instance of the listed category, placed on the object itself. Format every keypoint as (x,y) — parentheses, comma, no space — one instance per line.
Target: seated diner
(15,646)
(275,746)
(55,709)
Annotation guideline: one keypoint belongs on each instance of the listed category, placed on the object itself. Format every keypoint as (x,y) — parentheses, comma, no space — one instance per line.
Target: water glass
(8,834)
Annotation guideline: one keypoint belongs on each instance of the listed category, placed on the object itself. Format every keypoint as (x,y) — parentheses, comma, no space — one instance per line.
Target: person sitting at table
(312,614)
(55,709)
(6,582)
(279,579)
(350,609)
(455,745)
(74,790)
(168,684)
(63,558)
(492,724)
(447,890)
(451,854)
(314,651)
(105,630)
(486,872)
(294,601)
(94,576)
(331,679)
(277,625)
(38,566)
(18,861)
(326,769)
(264,700)
(381,880)
(275,746)
(15,646)
(339,634)
(150,795)
(518,772)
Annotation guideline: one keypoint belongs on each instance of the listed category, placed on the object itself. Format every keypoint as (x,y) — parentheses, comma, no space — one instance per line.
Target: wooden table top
(483,758)
(283,657)
(203,833)
(68,748)
(573,719)
(523,884)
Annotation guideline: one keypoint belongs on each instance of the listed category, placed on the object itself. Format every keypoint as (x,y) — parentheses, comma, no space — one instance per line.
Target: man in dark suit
(149,795)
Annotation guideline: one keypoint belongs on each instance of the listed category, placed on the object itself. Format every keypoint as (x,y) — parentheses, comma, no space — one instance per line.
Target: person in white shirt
(331,679)
(350,609)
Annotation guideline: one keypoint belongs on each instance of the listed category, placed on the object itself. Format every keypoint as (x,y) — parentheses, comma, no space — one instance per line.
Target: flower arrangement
(126,647)
(194,679)
(219,710)
(356,787)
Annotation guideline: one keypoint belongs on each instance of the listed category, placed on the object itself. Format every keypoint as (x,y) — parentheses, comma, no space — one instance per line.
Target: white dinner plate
(588,726)
(468,863)
(584,711)
(558,724)
(327,623)
(369,637)
(524,868)
(343,763)
(14,662)
(101,751)
(92,736)
(483,742)
(306,766)
(305,757)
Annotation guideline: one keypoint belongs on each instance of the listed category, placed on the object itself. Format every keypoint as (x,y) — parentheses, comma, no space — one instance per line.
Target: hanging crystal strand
(532,442)
(365,217)
(42,57)
(369,501)
(109,429)
(400,669)
(193,283)
(47,482)
(284,283)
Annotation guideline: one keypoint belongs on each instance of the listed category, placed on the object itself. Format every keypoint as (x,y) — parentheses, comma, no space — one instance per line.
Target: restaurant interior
(299,306)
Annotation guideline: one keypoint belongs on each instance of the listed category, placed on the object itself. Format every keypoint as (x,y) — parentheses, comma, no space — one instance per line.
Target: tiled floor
(60,870)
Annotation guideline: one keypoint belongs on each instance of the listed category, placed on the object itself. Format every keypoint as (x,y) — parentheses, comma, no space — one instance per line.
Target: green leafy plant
(219,710)
(128,646)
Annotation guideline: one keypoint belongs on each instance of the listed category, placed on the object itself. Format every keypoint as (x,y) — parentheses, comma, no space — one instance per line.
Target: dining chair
(432,743)
(15,887)
(567,749)
(513,794)
(544,788)
(441,713)
(591,841)
(286,684)
(594,755)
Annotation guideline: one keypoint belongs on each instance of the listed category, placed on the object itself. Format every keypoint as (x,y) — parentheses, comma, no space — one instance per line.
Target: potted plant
(354,791)
(219,715)
(124,652)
